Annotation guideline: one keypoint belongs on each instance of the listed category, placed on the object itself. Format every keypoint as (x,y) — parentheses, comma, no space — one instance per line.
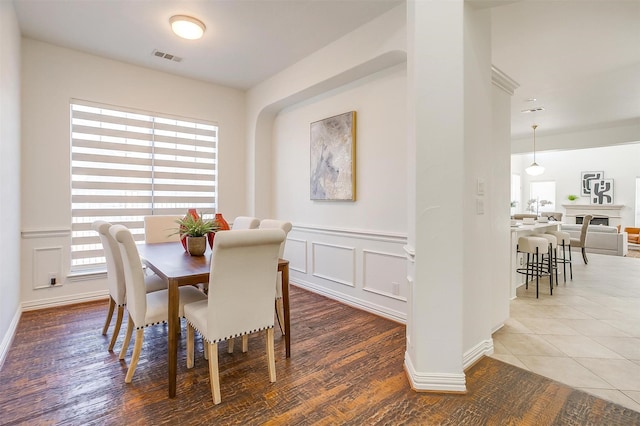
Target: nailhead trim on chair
(230,337)
(149,325)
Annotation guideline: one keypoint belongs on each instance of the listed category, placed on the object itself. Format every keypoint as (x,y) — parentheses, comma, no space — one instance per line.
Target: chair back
(583,230)
(133,274)
(557,216)
(245,222)
(520,216)
(161,229)
(277,224)
(115,273)
(244,264)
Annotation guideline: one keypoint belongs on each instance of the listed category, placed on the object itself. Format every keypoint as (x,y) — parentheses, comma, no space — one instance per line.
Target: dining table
(172,263)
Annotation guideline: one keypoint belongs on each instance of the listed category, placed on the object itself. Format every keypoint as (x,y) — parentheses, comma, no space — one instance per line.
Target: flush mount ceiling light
(187,27)
(534,169)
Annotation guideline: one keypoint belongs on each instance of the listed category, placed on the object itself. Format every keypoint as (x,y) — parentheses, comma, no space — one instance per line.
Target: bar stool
(535,248)
(564,240)
(552,259)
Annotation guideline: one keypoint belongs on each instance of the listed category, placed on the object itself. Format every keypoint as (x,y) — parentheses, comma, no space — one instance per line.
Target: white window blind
(128,164)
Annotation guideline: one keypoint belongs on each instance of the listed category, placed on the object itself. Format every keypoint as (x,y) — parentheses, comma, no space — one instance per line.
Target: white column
(435,71)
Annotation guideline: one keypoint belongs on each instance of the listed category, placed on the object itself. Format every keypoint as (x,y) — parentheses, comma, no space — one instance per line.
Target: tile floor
(587,335)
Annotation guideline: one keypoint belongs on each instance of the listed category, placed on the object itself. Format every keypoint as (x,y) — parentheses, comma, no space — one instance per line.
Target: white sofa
(601,239)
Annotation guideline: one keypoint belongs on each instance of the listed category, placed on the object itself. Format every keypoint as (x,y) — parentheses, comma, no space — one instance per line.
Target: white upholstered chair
(245,222)
(286,227)
(244,265)
(115,279)
(161,229)
(144,308)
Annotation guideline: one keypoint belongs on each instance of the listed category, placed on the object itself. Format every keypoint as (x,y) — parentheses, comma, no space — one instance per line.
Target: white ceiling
(579,58)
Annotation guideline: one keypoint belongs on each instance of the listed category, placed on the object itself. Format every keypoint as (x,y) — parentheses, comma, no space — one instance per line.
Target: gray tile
(581,347)
(628,347)
(529,344)
(594,327)
(564,370)
(621,373)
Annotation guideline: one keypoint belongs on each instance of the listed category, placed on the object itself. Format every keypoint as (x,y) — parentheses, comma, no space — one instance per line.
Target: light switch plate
(480,186)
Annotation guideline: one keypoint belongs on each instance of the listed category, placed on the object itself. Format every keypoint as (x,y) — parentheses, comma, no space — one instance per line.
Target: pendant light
(534,169)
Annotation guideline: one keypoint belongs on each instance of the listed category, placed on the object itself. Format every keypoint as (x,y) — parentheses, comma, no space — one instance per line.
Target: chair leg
(271,358)
(214,376)
(526,277)
(190,345)
(570,264)
(537,260)
(230,344)
(564,263)
(116,328)
(127,339)
(112,305)
(555,263)
(137,348)
(245,343)
(584,255)
(280,313)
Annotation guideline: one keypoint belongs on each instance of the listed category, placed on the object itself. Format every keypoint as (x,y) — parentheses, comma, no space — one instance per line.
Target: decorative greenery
(572,197)
(533,205)
(190,226)
(514,203)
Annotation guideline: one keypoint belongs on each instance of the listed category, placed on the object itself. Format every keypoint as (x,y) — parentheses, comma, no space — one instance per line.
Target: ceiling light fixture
(535,109)
(534,169)
(187,27)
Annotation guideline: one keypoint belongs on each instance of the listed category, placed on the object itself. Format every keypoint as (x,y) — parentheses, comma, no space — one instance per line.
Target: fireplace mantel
(612,211)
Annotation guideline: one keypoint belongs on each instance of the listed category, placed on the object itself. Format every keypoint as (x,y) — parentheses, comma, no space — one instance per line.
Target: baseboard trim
(484,348)
(72,299)
(434,382)
(8,337)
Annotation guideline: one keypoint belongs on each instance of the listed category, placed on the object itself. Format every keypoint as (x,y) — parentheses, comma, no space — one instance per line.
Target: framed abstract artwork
(587,178)
(333,152)
(602,191)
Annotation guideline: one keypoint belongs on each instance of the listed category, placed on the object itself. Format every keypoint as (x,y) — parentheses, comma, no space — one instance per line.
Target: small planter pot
(196,246)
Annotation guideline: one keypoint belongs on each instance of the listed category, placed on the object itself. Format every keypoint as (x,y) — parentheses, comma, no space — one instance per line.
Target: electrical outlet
(395,289)
(53,280)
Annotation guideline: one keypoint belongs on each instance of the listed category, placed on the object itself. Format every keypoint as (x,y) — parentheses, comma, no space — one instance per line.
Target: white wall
(349,250)
(619,162)
(51,77)
(10,212)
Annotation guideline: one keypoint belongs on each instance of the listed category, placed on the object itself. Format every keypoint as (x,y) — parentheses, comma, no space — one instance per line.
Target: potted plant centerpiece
(195,230)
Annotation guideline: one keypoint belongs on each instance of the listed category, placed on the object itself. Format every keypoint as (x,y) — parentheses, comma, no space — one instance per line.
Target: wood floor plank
(346,368)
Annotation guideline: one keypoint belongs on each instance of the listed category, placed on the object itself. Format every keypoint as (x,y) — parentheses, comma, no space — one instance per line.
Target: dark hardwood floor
(346,368)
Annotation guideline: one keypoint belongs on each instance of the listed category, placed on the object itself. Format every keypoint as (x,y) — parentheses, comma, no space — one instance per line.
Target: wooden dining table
(170,262)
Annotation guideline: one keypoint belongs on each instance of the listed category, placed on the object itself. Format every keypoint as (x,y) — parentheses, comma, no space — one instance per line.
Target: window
(542,197)
(128,164)
(515,193)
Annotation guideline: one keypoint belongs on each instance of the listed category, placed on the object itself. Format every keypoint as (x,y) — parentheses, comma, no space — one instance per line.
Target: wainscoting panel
(47,267)
(334,263)
(295,251)
(384,274)
(361,268)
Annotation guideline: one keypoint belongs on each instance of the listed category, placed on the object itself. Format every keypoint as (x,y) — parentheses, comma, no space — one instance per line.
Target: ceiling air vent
(167,56)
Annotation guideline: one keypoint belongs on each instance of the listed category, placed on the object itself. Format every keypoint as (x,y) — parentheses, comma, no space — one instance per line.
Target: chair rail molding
(45,233)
